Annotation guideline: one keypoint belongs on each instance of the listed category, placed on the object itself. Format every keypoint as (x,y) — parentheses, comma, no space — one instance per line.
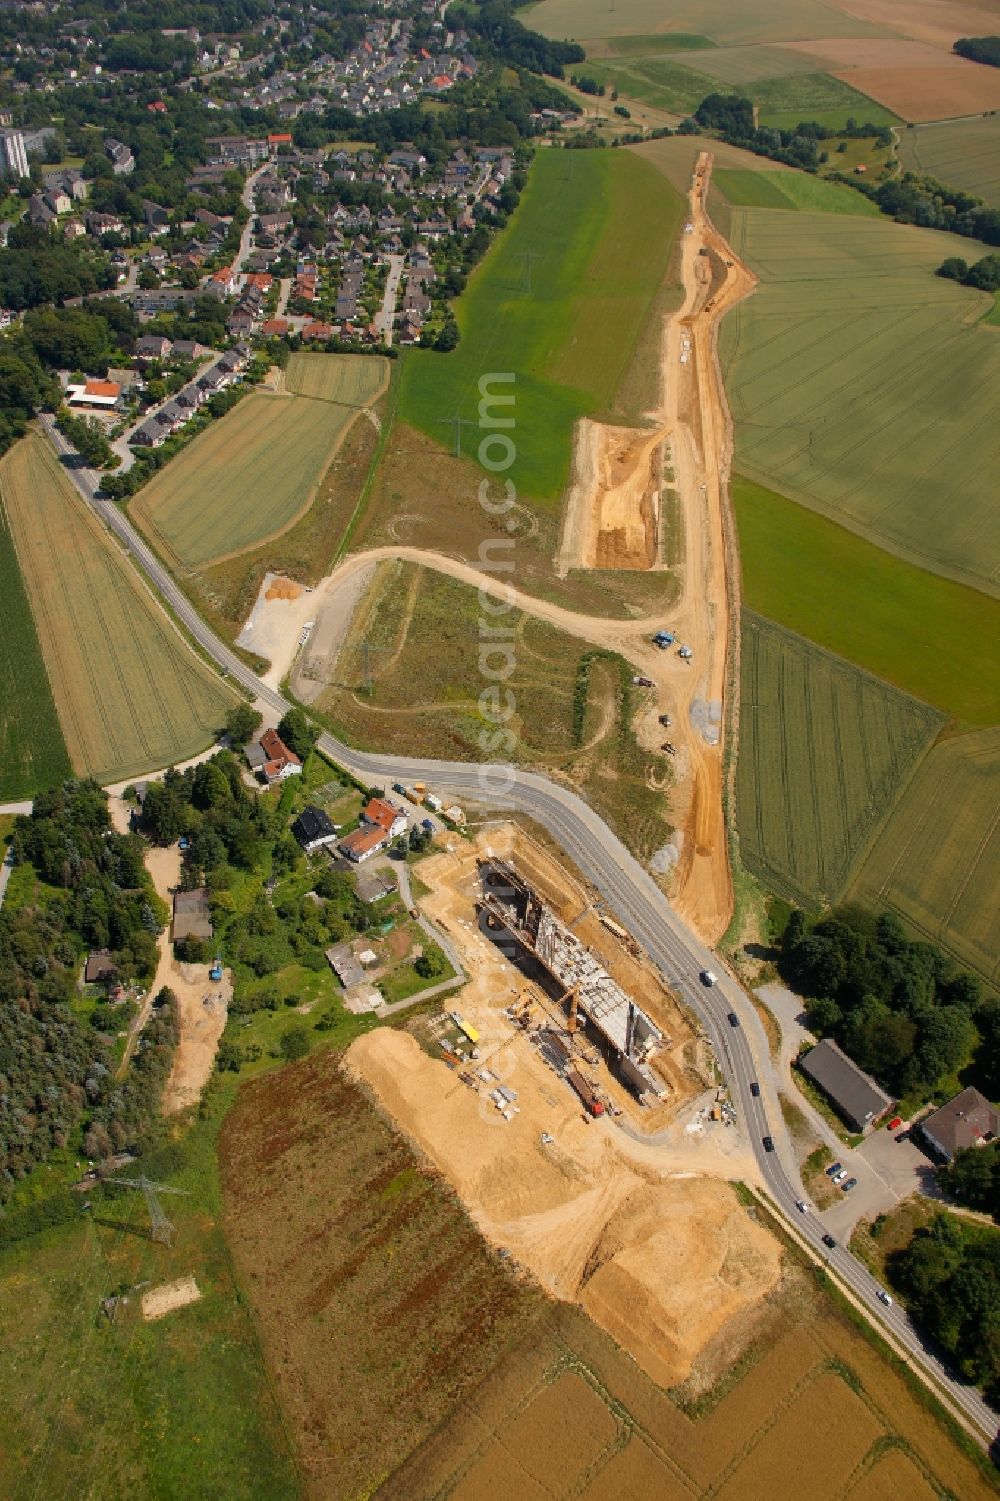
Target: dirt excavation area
(612,515)
(626,1215)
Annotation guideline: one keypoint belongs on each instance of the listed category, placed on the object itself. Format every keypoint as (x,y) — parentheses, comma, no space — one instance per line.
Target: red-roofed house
(262,280)
(317,331)
(223,282)
(363,843)
(379,813)
(272,759)
(275,328)
(281,139)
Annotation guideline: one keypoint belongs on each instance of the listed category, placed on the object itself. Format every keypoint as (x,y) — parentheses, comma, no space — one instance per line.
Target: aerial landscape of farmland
(500,729)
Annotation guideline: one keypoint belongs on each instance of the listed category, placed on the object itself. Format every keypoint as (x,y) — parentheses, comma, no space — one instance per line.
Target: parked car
(896,1121)
(884,1297)
(839,1177)
(398,787)
(425,823)
(834,1169)
(768,1144)
(640,682)
(851,1183)
(755,1089)
(828,1240)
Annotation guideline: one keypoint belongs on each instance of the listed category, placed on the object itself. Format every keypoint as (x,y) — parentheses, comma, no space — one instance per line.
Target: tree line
(901,1009)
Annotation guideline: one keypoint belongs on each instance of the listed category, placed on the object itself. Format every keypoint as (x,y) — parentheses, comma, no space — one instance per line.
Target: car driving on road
(709,977)
(768,1144)
(755,1089)
(828,1240)
(884,1297)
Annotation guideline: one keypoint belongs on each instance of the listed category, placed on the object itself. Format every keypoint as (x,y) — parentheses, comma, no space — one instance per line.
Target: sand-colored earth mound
(660,1261)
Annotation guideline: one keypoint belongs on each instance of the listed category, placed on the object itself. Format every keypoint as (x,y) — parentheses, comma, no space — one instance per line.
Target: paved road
(638,902)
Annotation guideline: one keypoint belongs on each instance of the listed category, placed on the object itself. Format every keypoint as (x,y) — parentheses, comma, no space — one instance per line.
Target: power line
(457,423)
(160,1227)
(527,256)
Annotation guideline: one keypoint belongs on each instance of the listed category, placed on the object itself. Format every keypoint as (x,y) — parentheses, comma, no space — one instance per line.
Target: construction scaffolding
(509,902)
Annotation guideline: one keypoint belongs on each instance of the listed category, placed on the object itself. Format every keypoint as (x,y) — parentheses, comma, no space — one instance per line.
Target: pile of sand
(282,588)
(661,1262)
(168,1296)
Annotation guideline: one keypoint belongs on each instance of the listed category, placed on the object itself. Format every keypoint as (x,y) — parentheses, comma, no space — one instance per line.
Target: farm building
(313,829)
(192,917)
(854,1096)
(966,1121)
(105,395)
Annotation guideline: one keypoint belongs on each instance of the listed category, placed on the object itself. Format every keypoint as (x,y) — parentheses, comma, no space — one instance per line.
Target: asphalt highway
(638,903)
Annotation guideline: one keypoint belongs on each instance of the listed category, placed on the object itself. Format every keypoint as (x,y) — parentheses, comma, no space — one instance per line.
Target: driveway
(887,1171)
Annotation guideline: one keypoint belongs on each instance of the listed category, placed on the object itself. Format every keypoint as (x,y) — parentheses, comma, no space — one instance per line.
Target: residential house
(100,968)
(313,829)
(104,395)
(155,215)
(363,843)
(271,758)
(966,1121)
(121,158)
(152,347)
(148,435)
(379,813)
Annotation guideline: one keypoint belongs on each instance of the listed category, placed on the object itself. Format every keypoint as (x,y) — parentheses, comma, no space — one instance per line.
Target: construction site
(574,1106)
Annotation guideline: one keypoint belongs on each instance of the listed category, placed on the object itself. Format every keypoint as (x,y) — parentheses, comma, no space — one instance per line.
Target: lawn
(32,749)
(176,1410)
(931,637)
(561,301)
(253,474)
(862,385)
(825,750)
(937,860)
(962,153)
(131,695)
(790,190)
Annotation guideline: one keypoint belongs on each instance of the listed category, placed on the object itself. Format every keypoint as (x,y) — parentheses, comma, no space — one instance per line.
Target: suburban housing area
(499,979)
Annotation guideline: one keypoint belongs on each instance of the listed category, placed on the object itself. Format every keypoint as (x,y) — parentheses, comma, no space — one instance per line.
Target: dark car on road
(828,1240)
(734,1020)
(755,1089)
(768,1144)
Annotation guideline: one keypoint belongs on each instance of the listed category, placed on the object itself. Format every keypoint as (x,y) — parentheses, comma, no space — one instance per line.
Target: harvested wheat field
(913,79)
(937,22)
(130,693)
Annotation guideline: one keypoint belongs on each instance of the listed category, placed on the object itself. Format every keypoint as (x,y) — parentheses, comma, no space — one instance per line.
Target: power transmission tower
(458,423)
(527,256)
(160,1227)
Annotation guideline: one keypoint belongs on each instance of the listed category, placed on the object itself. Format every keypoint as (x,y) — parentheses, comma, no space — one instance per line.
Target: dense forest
(900,1009)
(57,1071)
(949,1275)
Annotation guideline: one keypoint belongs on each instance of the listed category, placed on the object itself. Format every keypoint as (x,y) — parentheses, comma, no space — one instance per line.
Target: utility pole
(160,1228)
(458,423)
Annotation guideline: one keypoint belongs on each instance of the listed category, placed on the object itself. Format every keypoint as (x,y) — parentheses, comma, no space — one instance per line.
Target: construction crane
(160,1228)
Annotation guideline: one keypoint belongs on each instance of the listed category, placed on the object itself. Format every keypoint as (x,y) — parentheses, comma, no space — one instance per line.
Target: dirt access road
(694,419)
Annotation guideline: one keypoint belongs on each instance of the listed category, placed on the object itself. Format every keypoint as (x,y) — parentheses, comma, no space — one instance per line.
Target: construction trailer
(510,906)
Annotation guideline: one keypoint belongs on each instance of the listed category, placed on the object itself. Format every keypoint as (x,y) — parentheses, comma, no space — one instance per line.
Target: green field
(252,474)
(176,1410)
(783,90)
(561,302)
(962,153)
(32,747)
(824,751)
(345,379)
(130,693)
(931,637)
(937,860)
(861,385)
(721,20)
(791,190)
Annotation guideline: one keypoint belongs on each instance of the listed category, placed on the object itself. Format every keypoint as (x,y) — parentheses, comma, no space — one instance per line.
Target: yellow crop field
(350,380)
(254,473)
(130,693)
